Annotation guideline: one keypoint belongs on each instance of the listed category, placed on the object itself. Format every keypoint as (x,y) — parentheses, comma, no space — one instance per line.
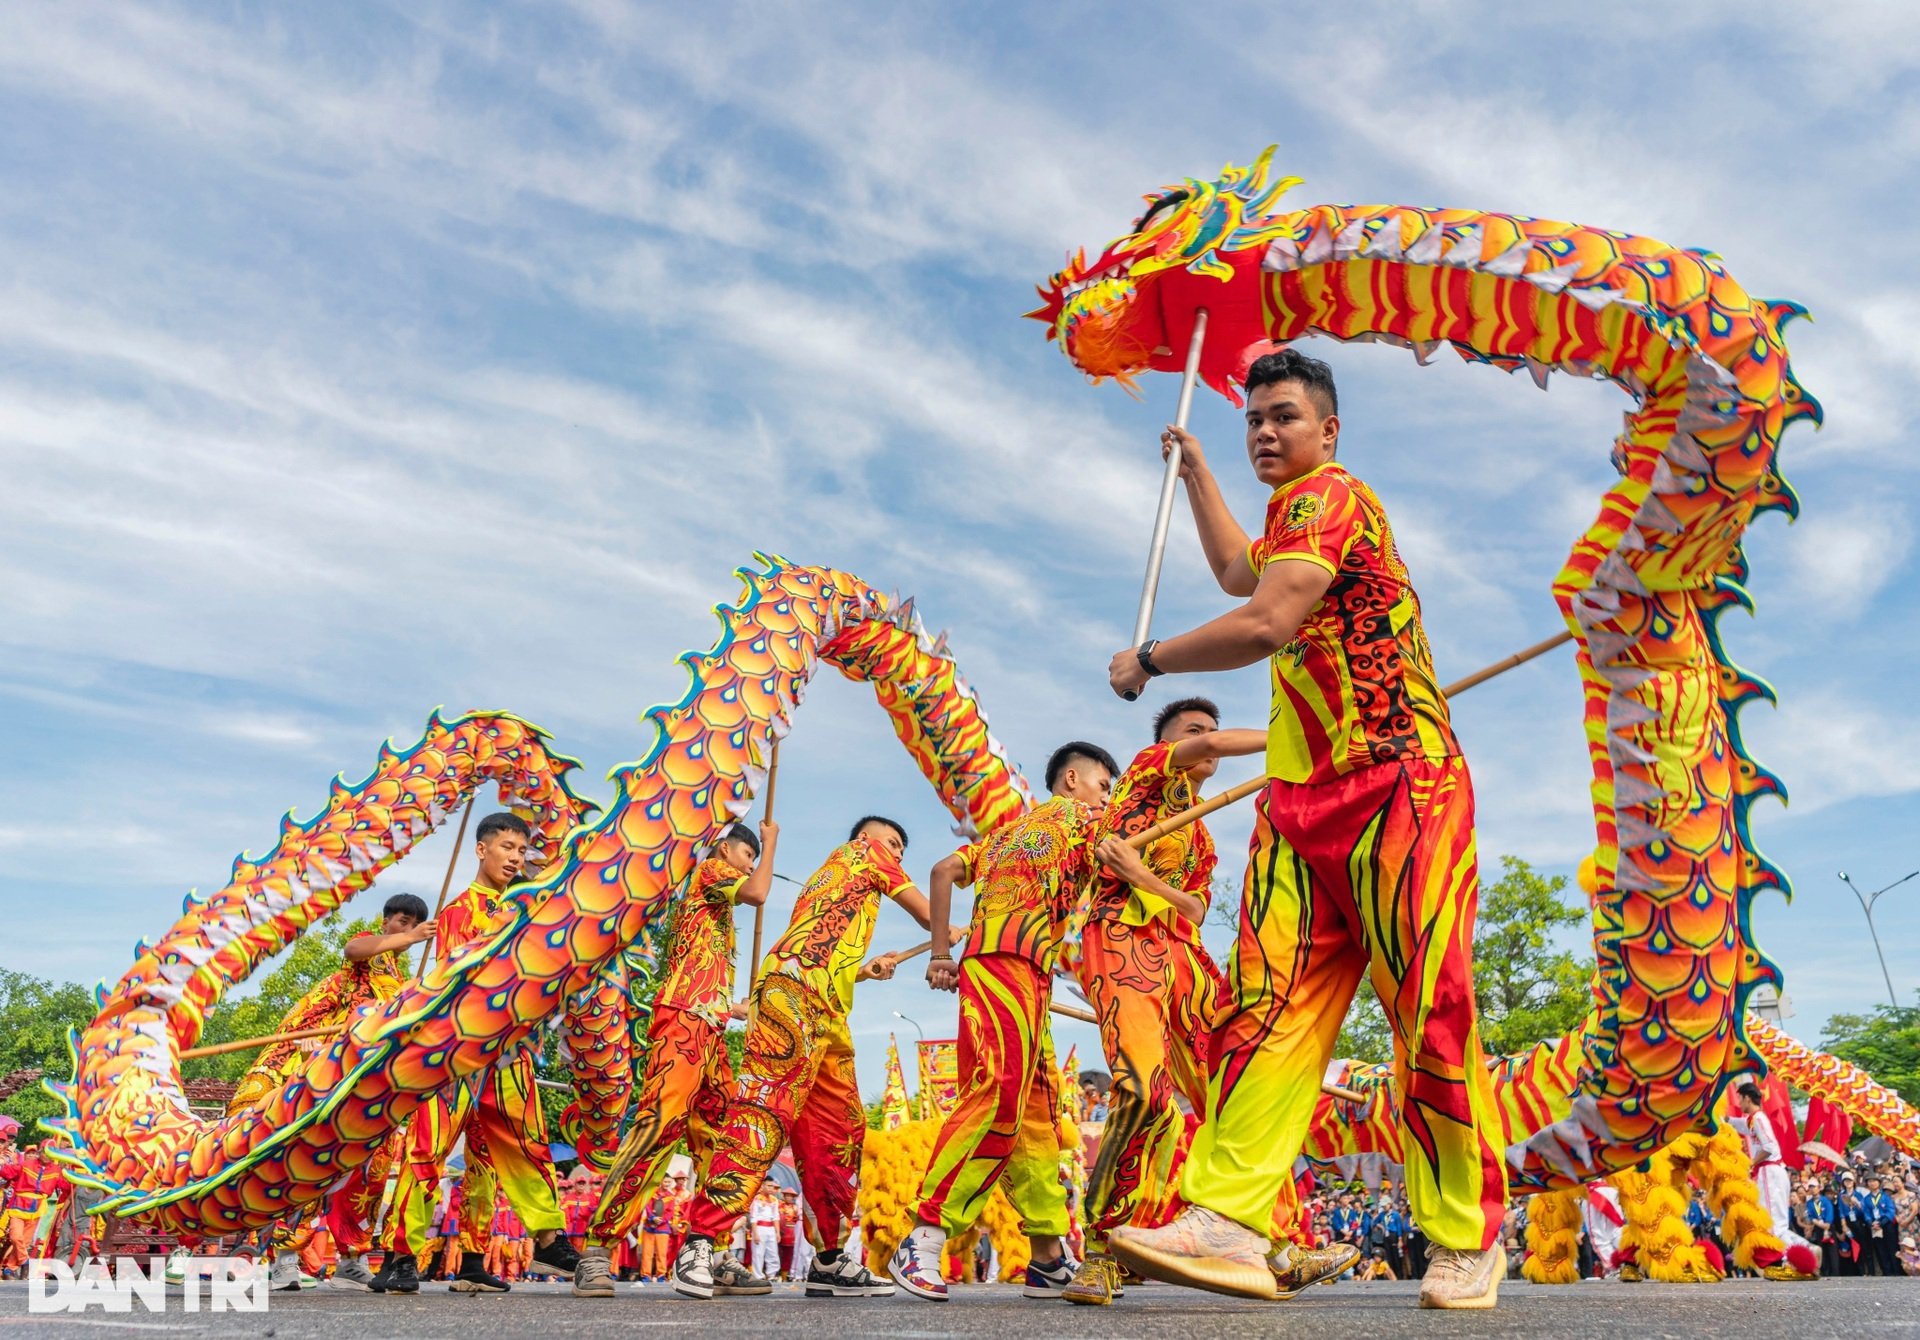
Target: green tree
(35,1017)
(1885,1044)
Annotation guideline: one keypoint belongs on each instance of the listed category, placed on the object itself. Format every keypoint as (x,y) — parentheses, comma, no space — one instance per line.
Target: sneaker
(915,1267)
(285,1276)
(593,1277)
(474,1277)
(1457,1279)
(1200,1249)
(693,1269)
(845,1278)
(557,1256)
(732,1279)
(177,1261)
(351,1272)
(1050,1280)
(1299,1268)
(1096,1284)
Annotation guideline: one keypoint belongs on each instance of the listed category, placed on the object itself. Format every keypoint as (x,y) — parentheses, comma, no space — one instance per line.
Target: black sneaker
(845,1278)
(398,1274)
(693,1269)
(732,1279)
(474,1277)
(558,1256)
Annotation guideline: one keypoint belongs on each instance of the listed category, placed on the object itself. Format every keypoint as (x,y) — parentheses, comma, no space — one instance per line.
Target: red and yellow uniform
(333,1002)
(1362,862)
(30,1183)
(1155,991)
(688,1076)
(797,1080)
(499,1113)
(1028,875)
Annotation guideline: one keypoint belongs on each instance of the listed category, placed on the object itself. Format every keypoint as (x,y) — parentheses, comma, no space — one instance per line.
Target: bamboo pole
(760,912)
(247,1044)
(459,841)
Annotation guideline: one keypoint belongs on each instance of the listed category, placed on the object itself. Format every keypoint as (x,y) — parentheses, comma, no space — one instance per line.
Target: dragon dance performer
(1030,876)
(1362,862)
(32,1182)
(498,1112)
(373,973)
(796,1081)
(1801,1260)
(688,1075)
(1156,992)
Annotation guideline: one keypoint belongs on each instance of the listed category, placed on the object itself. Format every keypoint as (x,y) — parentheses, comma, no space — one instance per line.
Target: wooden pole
(247,1044)
(459,841)
(1173,823)
(760,912)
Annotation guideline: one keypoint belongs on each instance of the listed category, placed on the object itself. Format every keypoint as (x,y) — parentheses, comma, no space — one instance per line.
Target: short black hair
(1073,749)
(1097,1080)
(1749,1091)
(504,822)
(1290,365)
(405,905)
(866,819)
(1180,705)
(741,833)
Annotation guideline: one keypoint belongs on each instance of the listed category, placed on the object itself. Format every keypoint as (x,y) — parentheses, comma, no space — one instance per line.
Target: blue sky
(356,359)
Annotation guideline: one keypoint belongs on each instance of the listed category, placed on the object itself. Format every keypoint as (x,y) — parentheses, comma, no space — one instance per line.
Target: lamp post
(916,1025)
(1867,900)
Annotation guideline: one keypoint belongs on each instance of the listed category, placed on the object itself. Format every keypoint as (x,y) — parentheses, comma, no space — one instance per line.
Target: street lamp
(1867,900)
(916,1026)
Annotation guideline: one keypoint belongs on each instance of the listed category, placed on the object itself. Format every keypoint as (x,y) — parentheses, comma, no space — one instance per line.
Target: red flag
(1777,1103)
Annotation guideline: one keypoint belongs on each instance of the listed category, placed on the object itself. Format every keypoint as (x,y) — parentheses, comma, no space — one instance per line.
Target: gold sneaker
(1464,1280)
(1200,1249)
(1299,1268)
(1782,1271)
(1097,1282)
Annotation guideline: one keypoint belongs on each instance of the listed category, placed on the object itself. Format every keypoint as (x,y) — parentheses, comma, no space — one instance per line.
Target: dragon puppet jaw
(1133,309)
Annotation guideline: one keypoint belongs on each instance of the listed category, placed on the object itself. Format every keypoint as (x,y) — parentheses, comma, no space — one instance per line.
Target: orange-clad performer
(374,971)
(688,1076)
(1362,863)
(499,1112)
(797,1078)
(1029,876)
(31,1182)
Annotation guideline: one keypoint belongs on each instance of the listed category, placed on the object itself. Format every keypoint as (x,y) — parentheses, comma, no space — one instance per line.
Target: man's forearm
(939,908)
(1237,638)
(1221,538)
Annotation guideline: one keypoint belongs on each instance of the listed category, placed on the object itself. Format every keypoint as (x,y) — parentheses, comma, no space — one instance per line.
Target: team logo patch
(1303,510)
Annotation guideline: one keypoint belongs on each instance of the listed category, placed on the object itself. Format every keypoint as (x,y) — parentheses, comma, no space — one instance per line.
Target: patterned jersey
(475,913)
(833,919)
(1028,876)
(335,999)
(29,1180)
(698,974)
(1148,791)
(1355,687)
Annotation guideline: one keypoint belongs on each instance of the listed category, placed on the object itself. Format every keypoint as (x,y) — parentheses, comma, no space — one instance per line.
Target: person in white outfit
(1603,1218)
(763,1219)
(1770,1176)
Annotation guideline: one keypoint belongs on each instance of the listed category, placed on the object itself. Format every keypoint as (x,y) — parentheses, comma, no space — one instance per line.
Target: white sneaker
(693,1269)
(1201,1249)
(285,1275)
(915,1267)
(351,1273)
(845,1278)
(177,1261)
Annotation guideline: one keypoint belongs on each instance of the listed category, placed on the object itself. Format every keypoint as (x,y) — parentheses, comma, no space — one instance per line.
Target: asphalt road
(1850,1308)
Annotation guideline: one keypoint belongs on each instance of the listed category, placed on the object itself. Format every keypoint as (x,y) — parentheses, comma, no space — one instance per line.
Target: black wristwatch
(1145,652)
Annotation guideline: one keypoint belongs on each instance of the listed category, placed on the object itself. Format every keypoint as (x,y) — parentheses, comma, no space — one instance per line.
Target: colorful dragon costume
(1642,590)
(126,1129)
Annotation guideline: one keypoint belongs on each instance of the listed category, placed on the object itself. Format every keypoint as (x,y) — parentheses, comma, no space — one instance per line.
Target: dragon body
(126,1129)
(1706,368)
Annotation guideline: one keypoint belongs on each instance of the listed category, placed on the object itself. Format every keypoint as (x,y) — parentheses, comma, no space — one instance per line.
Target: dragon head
(1112,316)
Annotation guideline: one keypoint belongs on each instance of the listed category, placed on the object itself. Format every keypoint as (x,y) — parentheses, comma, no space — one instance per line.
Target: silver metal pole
(1157,551)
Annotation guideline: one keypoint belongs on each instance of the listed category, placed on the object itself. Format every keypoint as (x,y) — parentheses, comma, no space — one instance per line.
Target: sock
(828,1259)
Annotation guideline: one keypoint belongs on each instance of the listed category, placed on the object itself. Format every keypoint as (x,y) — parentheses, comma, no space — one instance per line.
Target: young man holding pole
(797,1078)
(688,1075)
(1030,875)
(1362,861)
(498,1112)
